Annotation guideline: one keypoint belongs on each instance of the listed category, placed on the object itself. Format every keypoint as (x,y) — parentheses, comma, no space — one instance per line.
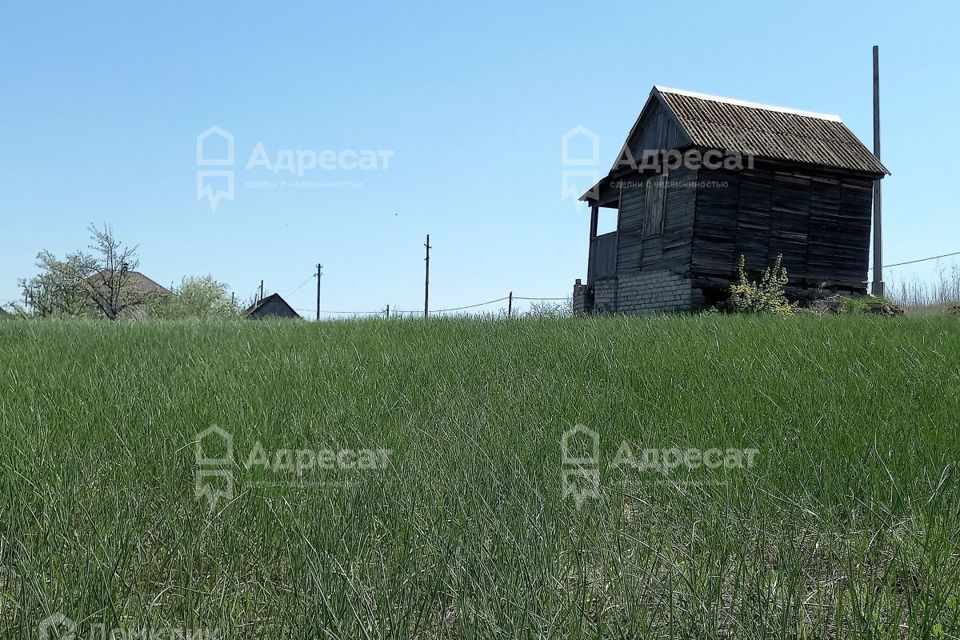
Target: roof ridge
(752,105)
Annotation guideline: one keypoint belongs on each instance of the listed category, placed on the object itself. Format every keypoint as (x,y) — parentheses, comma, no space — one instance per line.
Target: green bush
(203,298)
(765,296)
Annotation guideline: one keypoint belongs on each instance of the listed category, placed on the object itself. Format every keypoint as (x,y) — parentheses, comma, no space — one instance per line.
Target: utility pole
(388,312)
(877,287)
(426,281)
(510,305)
(319,274)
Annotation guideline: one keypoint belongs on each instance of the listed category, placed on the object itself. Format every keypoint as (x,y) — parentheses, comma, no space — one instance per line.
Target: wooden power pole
(319,274)
(426,281)
(877,287)
(261,292)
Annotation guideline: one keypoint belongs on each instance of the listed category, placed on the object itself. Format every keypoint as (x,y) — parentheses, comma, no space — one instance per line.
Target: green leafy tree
(99,283)
(61,287)
(197,297)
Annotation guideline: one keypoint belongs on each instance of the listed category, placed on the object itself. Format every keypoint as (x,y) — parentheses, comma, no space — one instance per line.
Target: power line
(469,306)
(900,264)
(357,313)
(299,286)
(432,311)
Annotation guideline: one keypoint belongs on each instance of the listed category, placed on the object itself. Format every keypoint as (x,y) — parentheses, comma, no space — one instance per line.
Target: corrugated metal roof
(769,132)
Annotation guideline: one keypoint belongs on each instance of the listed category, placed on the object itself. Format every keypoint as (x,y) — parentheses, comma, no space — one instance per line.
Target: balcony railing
(603,256)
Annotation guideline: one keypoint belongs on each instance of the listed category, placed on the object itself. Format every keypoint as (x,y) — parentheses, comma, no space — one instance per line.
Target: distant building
(702,180)
(271,306)
(132,291)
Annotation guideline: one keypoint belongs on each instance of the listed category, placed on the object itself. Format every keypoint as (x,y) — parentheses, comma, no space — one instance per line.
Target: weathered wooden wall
(818,220)
(669,249)
(657,131)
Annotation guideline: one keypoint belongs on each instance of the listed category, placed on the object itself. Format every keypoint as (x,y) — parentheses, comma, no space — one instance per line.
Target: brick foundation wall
(653,291)
(638,292)
(582,299)
(605,295)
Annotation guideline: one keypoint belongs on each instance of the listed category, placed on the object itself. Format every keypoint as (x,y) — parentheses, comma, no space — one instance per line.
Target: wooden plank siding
(819,221)
(664,246)
(657,130)
(630,224)
(715,232)
(789,216)
(603,255)
(755,204)
(850,256)
(677,246)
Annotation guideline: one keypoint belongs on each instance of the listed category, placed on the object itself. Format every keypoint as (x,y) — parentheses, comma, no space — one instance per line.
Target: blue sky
(101,104)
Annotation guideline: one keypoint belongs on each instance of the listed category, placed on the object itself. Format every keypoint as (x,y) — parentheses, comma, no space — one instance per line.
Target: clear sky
(101,104)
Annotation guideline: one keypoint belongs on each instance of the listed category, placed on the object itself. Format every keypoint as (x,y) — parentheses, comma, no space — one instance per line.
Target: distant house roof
(272,305)
(135,280)
(764,131)
(135,289)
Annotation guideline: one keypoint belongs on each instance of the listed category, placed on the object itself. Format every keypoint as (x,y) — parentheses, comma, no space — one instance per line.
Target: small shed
(702,180)
(273,306)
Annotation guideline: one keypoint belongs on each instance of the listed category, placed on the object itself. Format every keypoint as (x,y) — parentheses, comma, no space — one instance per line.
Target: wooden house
(702,180)
(273,306)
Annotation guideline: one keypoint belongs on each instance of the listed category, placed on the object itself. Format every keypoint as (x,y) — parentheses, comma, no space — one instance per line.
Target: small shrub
(764,296)
(550,310)
(853,306)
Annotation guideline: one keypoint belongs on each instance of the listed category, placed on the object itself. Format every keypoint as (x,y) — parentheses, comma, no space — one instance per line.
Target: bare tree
(109,284)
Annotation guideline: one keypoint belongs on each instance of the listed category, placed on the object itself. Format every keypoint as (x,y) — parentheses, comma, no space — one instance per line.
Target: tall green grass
(848,525)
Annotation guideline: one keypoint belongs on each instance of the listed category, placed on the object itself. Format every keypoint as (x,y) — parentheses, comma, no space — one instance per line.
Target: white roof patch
(752,105)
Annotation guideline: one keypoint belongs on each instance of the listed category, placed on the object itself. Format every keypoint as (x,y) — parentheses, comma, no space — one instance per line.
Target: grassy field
(406,479)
